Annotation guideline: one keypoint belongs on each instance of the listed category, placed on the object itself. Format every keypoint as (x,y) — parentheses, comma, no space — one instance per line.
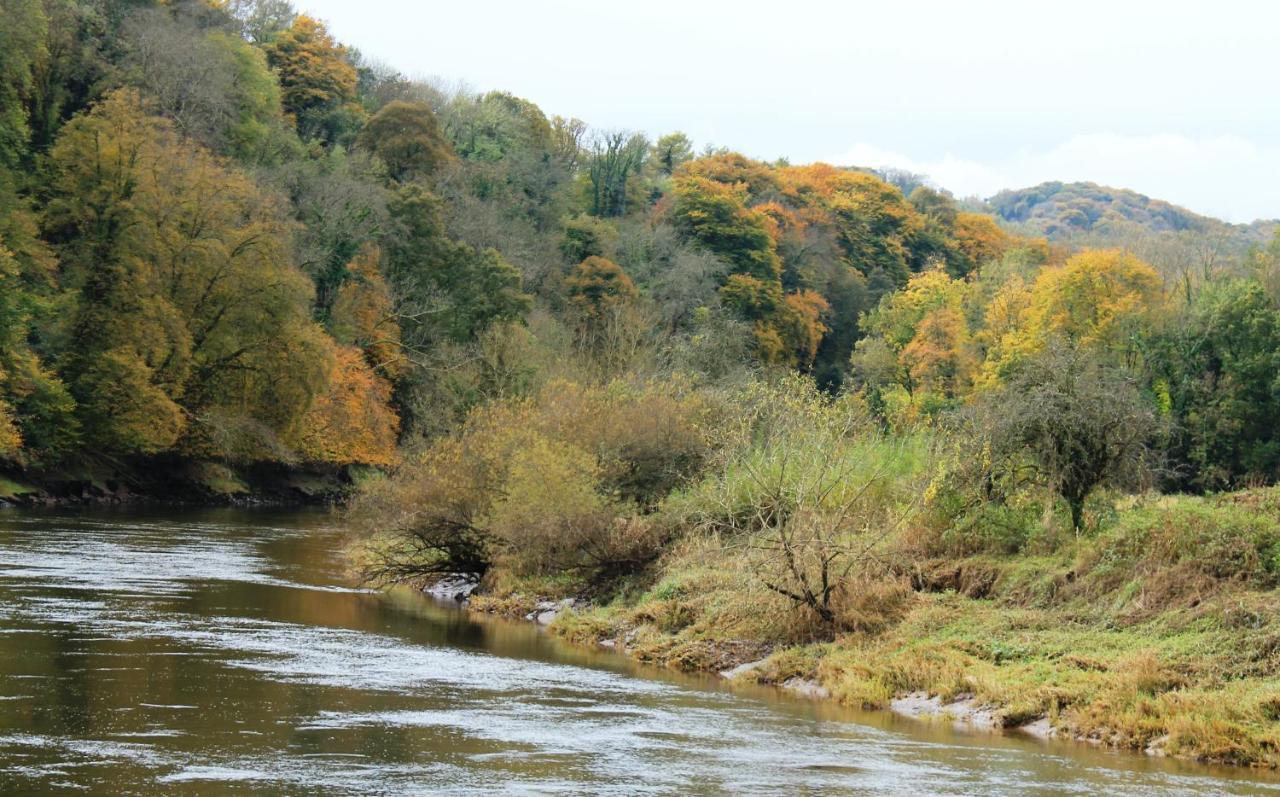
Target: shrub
(553,484)
(810,499)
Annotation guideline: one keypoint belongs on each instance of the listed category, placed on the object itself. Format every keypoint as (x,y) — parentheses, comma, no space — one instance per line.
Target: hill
(1069,211)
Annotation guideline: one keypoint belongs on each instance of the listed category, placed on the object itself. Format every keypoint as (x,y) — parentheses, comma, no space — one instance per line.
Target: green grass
(12,490)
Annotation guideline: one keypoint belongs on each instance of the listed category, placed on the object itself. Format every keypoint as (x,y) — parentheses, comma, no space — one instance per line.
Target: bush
(810,499)
(554,484)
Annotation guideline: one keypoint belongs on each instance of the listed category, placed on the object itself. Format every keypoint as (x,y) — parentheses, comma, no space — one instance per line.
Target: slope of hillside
(1066,211)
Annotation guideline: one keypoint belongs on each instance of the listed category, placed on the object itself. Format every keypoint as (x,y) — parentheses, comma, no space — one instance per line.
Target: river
(221,652)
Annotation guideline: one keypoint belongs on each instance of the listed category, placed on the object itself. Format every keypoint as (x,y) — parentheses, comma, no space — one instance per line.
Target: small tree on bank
(1074,422)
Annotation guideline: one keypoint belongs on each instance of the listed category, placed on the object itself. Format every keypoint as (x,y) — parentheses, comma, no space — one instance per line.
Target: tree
(597,285)
(937,357)
(22,43)
(351,421)
(339,202)
(713,215)
(670,152)
(810,505)
(260,20)
(616,157)
(37,424)
(407,137)
(587,236)
(1100,299)
(317,82)
(1219,369)
(876,229)
(800,325)
(190,311)
(445,290)
(1076,421)
(364,314)
(979,240)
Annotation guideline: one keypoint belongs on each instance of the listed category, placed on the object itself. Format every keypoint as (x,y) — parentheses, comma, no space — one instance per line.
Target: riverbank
(174,481)
(1160,636)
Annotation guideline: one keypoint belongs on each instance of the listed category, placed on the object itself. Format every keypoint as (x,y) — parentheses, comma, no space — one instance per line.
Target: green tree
(616,159)
(445,290)
(22,43)
(1220,369)
(1077,421)
(670,152)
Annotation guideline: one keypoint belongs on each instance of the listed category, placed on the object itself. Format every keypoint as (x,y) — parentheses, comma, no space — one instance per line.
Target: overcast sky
(1178,100)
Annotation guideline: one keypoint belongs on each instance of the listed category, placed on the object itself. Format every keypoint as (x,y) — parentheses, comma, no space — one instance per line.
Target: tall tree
(192,328)
(317,81)
(408,139)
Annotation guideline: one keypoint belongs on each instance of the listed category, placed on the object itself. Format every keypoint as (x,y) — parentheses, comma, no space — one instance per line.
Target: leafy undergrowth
(1161,632)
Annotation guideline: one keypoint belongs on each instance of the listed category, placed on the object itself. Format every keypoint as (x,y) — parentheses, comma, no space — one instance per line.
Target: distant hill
(1071,211)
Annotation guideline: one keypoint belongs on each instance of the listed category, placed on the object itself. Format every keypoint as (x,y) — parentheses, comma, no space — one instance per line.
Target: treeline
(226,236)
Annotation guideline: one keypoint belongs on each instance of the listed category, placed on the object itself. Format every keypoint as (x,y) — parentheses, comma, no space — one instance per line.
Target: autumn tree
(596,285)
(350,421)
(36,420)
(408,139)
(978,239)
(713,215)
(317,81)
(1099,299)
(364,314)
(801,327)
(918,344)
(191,316)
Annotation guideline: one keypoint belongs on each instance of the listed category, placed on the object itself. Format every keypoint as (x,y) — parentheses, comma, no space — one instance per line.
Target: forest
(1021,448)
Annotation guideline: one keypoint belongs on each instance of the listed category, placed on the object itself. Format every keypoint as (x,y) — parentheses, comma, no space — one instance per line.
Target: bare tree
(814,505)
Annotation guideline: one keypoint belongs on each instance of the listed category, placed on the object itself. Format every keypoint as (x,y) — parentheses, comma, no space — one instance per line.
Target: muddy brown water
(221,652)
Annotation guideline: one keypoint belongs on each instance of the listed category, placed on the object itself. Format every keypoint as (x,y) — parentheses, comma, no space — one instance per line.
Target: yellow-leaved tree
(1099,299)
(193,324)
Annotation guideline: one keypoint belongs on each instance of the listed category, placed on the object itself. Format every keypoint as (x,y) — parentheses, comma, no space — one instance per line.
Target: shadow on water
(223,652)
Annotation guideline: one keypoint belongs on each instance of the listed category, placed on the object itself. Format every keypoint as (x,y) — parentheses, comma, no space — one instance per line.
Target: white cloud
(1225,176)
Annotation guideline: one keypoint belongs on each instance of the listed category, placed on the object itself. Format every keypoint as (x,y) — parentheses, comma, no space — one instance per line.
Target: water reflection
(220,652)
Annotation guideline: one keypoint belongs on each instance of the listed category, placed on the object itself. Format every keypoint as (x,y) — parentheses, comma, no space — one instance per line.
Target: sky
(1178,100)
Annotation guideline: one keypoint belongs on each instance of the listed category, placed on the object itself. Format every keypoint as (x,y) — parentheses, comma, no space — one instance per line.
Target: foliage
(1220,372)
(189,310)
(408,139)
(317,83)
(350,422)
(1071,421)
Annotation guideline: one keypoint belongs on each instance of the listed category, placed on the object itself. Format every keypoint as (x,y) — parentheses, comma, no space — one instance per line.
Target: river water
(221,652)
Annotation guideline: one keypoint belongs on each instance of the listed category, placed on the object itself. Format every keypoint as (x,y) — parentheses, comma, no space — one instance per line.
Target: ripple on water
(460,721)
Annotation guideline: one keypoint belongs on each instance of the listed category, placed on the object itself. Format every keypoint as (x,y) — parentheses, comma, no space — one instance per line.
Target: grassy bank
(1161,634)
(701,528)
